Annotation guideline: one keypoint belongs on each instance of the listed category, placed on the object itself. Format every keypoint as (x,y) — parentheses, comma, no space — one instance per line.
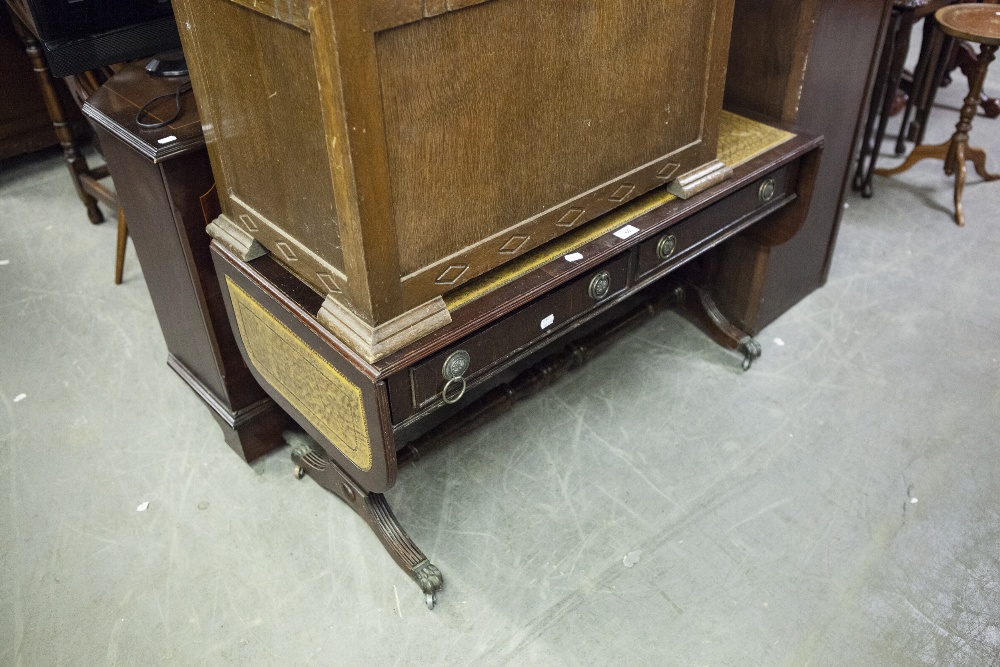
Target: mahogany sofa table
(515,329)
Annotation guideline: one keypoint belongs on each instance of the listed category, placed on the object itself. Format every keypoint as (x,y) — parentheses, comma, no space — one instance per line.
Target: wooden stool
(975,23)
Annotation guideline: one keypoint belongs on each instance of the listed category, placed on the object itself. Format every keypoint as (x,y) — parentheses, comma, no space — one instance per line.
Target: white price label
(627,231)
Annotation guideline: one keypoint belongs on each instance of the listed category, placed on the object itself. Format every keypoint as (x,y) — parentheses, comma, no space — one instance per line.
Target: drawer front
(681,240)
(518,330)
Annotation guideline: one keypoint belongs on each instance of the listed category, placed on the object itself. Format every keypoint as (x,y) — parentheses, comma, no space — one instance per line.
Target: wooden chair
(86,180)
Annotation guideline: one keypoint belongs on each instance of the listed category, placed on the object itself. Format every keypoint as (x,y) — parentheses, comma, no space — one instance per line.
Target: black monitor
(80,35)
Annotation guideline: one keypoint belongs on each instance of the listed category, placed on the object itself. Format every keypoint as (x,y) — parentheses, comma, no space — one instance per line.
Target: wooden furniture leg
(922,78)
(883,91)
(120,246)
(697,303)
(693,296)
(77,164)
(967,62)
(956,151)
(310,459)
(941,45)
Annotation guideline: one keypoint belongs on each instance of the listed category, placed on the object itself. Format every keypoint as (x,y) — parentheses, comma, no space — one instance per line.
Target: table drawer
(681,240)
(497,343)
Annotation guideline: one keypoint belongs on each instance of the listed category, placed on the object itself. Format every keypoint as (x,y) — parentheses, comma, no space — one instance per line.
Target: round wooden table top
(976,23)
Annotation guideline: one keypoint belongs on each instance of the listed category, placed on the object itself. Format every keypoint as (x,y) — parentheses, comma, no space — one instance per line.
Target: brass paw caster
(429,578)
(751,350)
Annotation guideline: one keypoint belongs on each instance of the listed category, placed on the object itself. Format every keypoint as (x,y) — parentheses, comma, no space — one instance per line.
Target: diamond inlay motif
(329,283)
(571,217)
(248,223)
(622,193)
(452,274)
(513,244)
(287,251)
(668,171)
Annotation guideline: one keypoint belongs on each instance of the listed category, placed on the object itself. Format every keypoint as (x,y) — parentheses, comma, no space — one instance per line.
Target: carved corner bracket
(376,342)
(237,240)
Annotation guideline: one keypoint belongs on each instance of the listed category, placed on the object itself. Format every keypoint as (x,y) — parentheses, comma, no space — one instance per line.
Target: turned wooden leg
(120,247)
(967,61)
(960,139)
(960,175)
(956,152)
(76,163)
(310,459)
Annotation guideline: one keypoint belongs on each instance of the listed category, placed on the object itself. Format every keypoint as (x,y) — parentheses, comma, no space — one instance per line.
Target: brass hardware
(451,400)
(767,190)
(666,247)
(600,286)
(456,365)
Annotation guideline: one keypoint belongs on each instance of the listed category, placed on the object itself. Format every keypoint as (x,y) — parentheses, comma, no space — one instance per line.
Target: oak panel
(264,126)
(501,112)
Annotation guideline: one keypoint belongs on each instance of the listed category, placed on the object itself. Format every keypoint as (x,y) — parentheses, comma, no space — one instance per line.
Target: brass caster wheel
(430,599)
(300,472)
(751,351)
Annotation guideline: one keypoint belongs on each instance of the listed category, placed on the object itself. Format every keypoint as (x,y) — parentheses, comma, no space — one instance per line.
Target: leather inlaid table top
(976,23)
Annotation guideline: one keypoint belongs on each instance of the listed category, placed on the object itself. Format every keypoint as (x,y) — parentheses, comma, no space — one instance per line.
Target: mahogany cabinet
(390,151)
(167,192)
(809,63)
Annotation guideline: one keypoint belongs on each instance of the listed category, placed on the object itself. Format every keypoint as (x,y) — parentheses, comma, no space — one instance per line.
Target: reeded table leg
(311,460)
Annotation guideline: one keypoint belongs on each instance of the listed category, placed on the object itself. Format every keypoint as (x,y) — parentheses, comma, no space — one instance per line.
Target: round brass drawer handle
(666,247)
(767,190)
(456,364)
(451,400)
(600,286)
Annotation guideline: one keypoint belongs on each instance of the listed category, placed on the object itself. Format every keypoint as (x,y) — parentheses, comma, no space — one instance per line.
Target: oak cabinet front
(389,151)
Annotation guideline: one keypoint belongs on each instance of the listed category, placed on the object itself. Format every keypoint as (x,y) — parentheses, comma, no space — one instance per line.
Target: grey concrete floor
(838,505)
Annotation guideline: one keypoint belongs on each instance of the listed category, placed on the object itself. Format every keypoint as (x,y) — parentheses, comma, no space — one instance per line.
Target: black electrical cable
(181,89)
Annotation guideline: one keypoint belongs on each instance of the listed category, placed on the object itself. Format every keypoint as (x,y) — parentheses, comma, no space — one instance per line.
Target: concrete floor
(838,505)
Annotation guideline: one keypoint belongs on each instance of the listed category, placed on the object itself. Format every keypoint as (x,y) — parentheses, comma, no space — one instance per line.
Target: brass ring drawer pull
(451,400)
(666,247)
(767,190)
(456,364)
(600,286)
